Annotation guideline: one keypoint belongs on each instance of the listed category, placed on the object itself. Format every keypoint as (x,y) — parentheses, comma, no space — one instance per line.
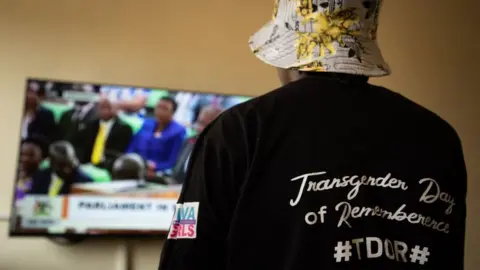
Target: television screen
(102,159)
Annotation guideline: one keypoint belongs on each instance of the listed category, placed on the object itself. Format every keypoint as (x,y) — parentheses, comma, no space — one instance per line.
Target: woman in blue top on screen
(159,140)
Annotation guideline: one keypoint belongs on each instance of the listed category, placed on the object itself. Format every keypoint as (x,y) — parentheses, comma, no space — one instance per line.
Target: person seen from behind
(359,178)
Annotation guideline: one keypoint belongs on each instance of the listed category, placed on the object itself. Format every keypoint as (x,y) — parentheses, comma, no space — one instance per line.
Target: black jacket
(70,126)
(323,173)
(41,182)
(179,171)
(116,144)
(43,124)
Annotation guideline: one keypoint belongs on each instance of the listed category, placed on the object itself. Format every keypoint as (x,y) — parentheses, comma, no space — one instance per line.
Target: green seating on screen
(57,109)
(133,121)
(154,96)
(190,133)
(44,164)
(97,174)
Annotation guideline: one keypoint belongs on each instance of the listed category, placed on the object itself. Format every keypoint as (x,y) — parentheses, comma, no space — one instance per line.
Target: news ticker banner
(82,213)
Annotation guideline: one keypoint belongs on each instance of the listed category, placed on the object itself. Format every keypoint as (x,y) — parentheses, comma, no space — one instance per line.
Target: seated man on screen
(159,140)
(74,121)
(37,120)
(105,139)
(63,172)
(32,151)
(206,116)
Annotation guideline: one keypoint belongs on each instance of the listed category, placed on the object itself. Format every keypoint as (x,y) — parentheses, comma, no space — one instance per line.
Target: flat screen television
(103,159)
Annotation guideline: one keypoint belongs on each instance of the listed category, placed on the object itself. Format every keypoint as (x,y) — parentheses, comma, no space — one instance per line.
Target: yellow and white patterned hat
(322,35)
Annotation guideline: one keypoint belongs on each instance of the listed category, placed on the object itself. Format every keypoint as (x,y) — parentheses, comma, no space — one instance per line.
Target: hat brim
(276,45)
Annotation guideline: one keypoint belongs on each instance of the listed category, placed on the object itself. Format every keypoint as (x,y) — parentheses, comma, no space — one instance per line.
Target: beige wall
(202,45)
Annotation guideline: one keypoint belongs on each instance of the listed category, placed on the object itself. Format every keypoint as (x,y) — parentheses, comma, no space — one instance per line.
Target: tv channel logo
(42,208)
(184,223)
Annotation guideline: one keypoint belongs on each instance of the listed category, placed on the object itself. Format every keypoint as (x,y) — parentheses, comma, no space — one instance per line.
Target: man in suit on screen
(73,122)
(63,172)
(206,116)
(104,139)
(36,120)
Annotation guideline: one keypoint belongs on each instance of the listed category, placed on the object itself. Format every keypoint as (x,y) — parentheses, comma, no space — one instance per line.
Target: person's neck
(29,111)
(25,174)
(161,126)
(333,75)
(107,120)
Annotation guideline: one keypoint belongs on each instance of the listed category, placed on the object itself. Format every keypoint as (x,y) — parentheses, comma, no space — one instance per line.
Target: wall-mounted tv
(103,159)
